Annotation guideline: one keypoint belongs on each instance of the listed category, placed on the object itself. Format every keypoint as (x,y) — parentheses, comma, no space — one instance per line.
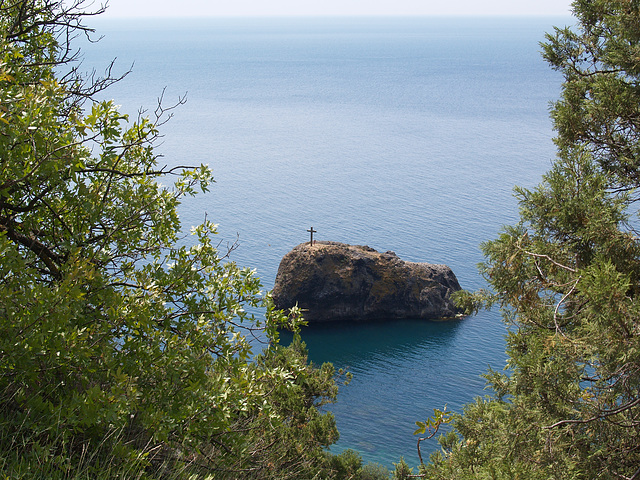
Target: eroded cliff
(334,281)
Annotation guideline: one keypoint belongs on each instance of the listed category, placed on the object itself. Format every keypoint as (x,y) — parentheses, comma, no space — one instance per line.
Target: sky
(225,8)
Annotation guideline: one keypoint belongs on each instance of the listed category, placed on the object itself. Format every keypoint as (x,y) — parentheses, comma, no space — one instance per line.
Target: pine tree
(567,279)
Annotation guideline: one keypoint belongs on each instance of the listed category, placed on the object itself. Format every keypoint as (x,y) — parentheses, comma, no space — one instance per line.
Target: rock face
(334,281)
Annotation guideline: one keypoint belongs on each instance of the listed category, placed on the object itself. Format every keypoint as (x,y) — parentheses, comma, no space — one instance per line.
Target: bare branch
(547,257)
(555,312)
(602,415)
(43,252)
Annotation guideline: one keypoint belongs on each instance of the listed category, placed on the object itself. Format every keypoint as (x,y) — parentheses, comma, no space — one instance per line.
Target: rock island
(334,281)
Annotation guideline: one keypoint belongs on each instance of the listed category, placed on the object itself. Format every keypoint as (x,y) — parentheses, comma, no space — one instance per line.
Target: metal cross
(311,231)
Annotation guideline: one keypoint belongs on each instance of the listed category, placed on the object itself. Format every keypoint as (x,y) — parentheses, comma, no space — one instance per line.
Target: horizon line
(331,16)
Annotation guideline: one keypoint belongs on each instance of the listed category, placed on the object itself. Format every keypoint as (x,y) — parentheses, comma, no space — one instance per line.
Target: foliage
(124,348)
(567,278)
(402,471)
(348,465)
(431,426)
(374,471)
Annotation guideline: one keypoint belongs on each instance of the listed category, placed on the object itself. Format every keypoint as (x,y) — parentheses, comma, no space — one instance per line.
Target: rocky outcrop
(334,281)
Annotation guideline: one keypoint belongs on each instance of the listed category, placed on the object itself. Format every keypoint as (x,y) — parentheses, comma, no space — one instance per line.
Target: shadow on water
(402,370)
(349,344)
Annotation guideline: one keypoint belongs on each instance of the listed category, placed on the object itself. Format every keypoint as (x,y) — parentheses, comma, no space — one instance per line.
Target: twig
(547,257)
(555,313)
(603,414)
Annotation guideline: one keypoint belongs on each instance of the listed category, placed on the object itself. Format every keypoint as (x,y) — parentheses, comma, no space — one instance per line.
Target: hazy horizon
(333,8)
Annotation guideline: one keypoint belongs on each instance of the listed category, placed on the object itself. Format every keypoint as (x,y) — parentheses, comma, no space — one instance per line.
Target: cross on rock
(311,231)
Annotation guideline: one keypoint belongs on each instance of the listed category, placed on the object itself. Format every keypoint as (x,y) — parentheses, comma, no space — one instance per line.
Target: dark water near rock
(401,134)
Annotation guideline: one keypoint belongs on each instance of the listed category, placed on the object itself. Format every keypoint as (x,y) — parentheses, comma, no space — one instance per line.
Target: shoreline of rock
(333,281)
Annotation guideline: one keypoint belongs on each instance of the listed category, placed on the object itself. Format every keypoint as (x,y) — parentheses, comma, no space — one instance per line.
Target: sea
(403,134)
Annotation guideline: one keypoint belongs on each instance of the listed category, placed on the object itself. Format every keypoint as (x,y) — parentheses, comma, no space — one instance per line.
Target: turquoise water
(401,134)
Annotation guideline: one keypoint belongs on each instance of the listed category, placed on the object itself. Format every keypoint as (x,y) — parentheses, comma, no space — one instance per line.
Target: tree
(124,348)
(567,278)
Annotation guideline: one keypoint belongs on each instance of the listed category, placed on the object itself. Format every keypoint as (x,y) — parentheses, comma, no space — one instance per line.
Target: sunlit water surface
(401,134)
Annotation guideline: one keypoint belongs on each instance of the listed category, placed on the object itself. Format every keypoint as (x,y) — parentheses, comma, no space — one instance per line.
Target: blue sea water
(404,134)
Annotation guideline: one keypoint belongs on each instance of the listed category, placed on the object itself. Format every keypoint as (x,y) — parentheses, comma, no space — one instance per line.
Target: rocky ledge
(333,281)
